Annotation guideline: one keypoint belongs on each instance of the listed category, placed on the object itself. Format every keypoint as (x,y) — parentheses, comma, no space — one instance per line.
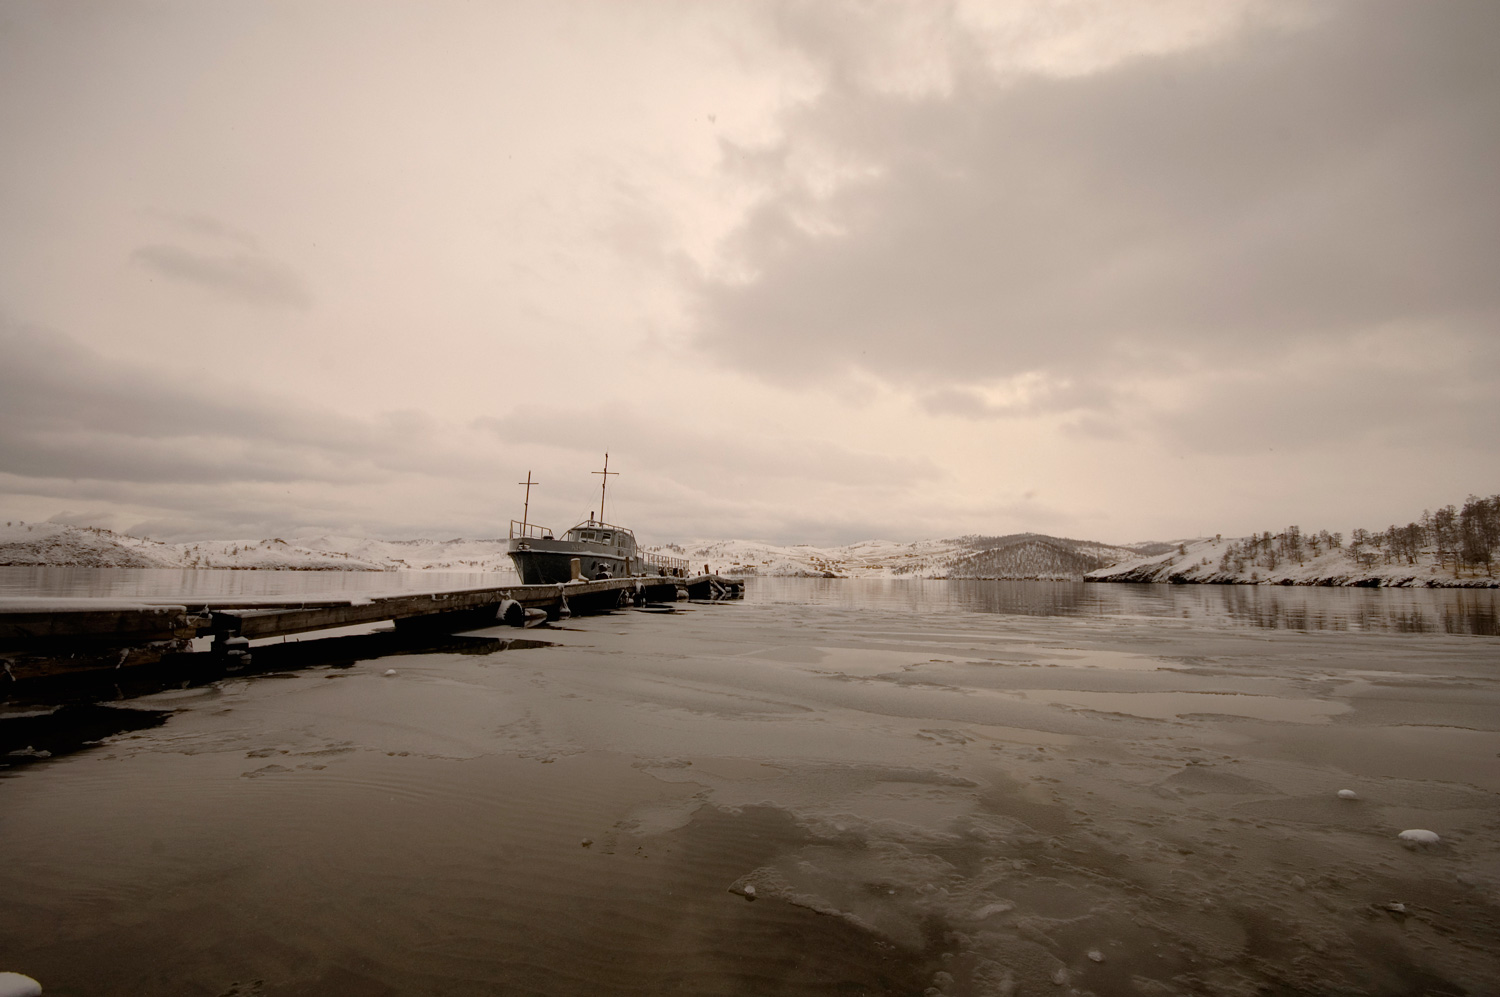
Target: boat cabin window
(604,537)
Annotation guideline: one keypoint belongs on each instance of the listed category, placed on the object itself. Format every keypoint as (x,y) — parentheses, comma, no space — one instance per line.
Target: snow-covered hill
(1024,555)
(58,545)
(52,544)
(1205,560)
(1256,560)
(1021,555)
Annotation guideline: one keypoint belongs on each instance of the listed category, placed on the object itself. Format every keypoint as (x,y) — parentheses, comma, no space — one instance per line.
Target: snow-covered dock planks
(25,621)
(92,633)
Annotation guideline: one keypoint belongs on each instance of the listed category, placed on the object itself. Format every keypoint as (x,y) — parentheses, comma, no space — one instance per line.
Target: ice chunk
(389,672)
(1348,794)
(998,907)
(1417,837)
(1096,955)
(749,890)
(18,985)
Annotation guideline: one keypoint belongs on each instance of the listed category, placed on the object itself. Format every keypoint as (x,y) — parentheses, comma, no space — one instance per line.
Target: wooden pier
(46,636)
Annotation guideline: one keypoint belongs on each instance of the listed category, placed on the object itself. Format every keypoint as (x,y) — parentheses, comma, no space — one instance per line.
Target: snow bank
(1202,560)
(57,545)
(1025,555)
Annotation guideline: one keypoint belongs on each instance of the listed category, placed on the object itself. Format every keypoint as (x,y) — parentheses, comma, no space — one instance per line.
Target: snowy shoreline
(1201,562)
(1018,557)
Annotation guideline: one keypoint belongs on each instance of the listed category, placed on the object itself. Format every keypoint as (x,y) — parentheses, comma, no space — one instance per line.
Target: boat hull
(550,562)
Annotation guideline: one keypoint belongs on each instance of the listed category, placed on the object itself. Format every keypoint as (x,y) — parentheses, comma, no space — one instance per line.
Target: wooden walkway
(47,635)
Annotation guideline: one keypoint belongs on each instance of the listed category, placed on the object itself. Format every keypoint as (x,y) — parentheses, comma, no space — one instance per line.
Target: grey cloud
(1339,404)
(1218,205)
(208,227)
(125,458)
(683,480)
(52,385)
(1040,399)
(67,413)
(695,454)
(957,401)
(194,511)
(245,276)
(70,518)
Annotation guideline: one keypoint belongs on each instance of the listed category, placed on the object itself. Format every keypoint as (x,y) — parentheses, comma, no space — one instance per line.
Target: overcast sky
(810,272)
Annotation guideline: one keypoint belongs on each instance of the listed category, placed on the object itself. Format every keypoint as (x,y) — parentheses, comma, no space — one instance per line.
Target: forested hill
(1450,547)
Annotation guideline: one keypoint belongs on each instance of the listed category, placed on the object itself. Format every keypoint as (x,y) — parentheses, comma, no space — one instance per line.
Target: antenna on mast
(526,509)
(603,483)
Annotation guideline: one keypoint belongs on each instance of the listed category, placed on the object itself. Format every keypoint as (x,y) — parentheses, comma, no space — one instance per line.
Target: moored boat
(600,549)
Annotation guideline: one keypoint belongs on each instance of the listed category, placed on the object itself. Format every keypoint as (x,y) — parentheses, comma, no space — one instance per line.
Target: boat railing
(673,565)
(529,531)
(599,524)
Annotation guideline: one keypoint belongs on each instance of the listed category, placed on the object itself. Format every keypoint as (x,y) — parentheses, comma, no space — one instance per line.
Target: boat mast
(526,508)
(603,483)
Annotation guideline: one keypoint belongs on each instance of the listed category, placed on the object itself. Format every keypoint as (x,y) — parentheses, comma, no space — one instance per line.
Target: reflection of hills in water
(1457,611)
(1454,611)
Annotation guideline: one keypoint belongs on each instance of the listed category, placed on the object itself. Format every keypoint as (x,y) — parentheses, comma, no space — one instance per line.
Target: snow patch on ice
(1418,837)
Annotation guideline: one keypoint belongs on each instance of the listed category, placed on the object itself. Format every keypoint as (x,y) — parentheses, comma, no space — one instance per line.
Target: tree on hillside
(1359,544)
(1479,531)
(1291,543)
(1445,535)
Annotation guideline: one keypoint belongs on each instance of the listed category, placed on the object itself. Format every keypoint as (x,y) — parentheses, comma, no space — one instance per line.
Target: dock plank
(33,624)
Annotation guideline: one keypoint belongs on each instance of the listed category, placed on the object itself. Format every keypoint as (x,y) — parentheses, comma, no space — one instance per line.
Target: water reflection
(1453,611)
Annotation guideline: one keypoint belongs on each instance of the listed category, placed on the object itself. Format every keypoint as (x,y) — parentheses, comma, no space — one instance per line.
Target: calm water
(1455,611)
(967,789)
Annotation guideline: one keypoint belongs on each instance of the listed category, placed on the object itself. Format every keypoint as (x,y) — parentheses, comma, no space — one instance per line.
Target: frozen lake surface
(1470,611)
(833,787)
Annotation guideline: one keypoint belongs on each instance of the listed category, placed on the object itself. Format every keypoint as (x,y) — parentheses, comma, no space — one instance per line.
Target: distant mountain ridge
(53,544)
(1019,555)
(1282,559)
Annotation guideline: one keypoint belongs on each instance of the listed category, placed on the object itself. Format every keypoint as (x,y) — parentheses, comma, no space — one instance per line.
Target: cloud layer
(810,270)
(245,276)
(1217,207)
